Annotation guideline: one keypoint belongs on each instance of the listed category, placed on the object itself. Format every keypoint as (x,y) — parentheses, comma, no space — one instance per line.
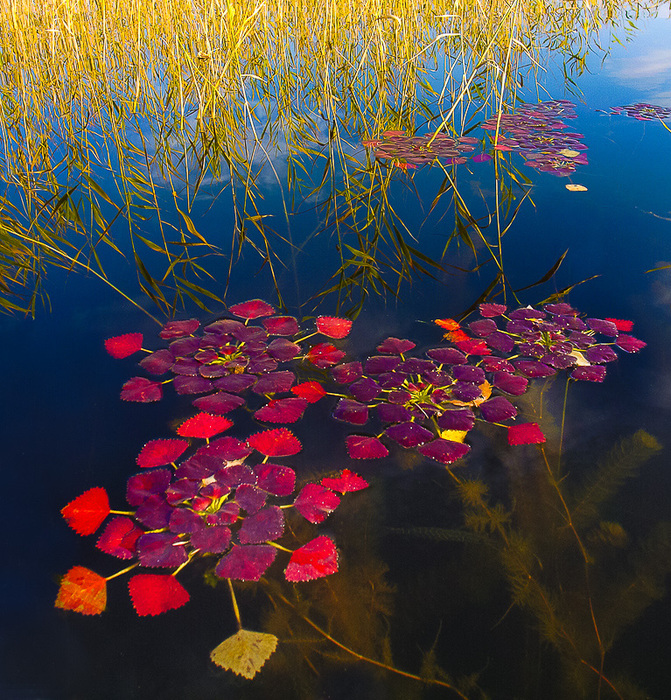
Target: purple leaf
(392,413)
(235,475)
(491,310)
(283,350)
(593,373)
(381,363)
(395,346)
(365,389)
(409,434)
(158,362)
(160,549)
(500,341)
(315,502)
(365,447)
(533,369)
(227,448)
(212,538)
(154,512)
(602,326)
(630,344)
(141,486)
(346,373)
(497,409)
(447,356)
(456,419)
(185,520)
(558,360)
(275,478)
(265,526)
(192,385)
(281,325)
(142,390)
(599,354)
(351,411)
(483,327)
(180,491)
(237,383)
(218,404)
(250,498)
(274,382)
(466,391)
(444,451)
(246,562)
(468,373)
(282,410)
(510,383)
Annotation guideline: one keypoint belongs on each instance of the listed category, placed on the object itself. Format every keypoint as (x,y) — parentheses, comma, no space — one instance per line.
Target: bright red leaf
(315,502)
(142,390)
(621,324)
(255,308)
(156,453)
(83,591)
(282,410)
(121,346)
(204,425)
(525,434)
(313,560)
(333,327)
(324,355)
(86,513)
(153,594)
(310,391)
(279,442)
(346,482)
(119,538)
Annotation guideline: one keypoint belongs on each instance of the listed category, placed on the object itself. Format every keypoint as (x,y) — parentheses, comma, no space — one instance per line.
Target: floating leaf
(469,373)
(379,364)
(237,383)
(621,324)
(142,390)
(185,520)
(153,512)
(351,411)
(315,502)
(178,329)
(590,373)
(154,594)
(281,325)
(119,538)
(283,350)
(279,442)
(365,447)
(395,346)
(310,391)
(158,362)
(444,451)
(630,344)
(333,327)
(525,434)
(492,310)
(191,385)
(275,382)
(346,373)
(600,325)
(156,453)
(324,355)
(255,308)
(141,486)
(249,498)
(275,478)
(203,425)
(456,419)
(497,409)
(600,354)
(313,560)
(86,513)
(393,413)
(121,346)
(160,549)
(83,591)
(282,410)
(510,383)
(574,187)
(245,652)
(409,434)
(346,482)
(228,448)
(247,562)
(365,389)
(212,538)
(218,404)
(265,526)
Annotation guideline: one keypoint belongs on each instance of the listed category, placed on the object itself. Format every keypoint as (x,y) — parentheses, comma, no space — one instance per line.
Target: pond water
(530,571)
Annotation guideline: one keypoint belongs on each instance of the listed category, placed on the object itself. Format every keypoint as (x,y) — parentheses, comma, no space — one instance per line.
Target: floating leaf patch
(83,591)
(218,404)
(119,538)
(154,594)
(315,502)
(86,513)
(333,327)
(279,442)
(245,652)
(282,410)
(156,453)
(142,390)
(255,308)
(179,329)
(525,434)
(121,346)
(346,482)
(365,447)
(444,451)
(204,425)
(281,325)
(247,562)
(324,355)
(313,560)
(310,391)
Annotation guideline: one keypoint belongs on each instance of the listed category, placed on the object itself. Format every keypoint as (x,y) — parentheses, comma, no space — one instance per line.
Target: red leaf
(246,562)
(121,346)
(255,308)
(281,325)
(282,410)
(315,502)
(83,591)
(275,478)
(86,513)
(178,329)
(525,434)
(310,391)
(324,355)
(204,425)
(142,390)
(347,481)
(153,594)
(365,447)
(333,327)
(621,324)
(279,442)
(119,538)
(156,453)
(313,560)
(471,346)
(449,324)
(630,344)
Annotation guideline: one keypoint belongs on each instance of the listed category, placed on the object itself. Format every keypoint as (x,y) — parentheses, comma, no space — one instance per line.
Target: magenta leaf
(324,355)
(142,390)
(313,560)
(160,549)
(275,382)
(212,538)
(365,447)
(141,486)
(592,373)
(178,329)
(281,325)
(349,372)
(246,562)
(237,383)
(315,502)
(185,520)
(350,411)
(265,526)
(119,538)
(456,419)
(279,442)
(275,478)
(218,404)
(347,482)
(629,344)
(510,383)
(156,453)
(158,362)
(191,385)
(395,346)
(409,434)
(525,434)
(121,346)
(444,451)
(255,308)
(282,410)
(227,448)
(492,310)
(497,409)
(333,327)
(250,498)
(283,350)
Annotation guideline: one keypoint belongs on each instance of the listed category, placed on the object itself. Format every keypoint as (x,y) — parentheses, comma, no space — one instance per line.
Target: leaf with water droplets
(310,391)
(333,327)
(119,538)
(324,355)
(254,308)
(204,425)
(247,562)
(279,442)
(525,434)
(179,329)
(365,447)
(347,481)
(287,410)
(315,502)
(444,451)
(315,559)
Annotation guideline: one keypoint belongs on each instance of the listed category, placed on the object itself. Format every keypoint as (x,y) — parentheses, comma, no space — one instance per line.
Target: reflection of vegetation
(125,118)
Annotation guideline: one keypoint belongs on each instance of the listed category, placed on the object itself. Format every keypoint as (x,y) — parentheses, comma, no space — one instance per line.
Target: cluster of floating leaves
(643,111)
(431,402)
(410,151)
(538,132)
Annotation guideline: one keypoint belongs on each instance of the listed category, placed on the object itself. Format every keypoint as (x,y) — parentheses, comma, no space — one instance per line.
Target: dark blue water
(65,430)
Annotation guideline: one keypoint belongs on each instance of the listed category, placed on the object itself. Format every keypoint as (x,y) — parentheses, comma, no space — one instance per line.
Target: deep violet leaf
(86,513)
(275,478)
(275,382)
(141,486)
(494,364)
(154,513)
(82,591)
(447,356)
(333,327)
(227,448)
(158,362)
(346,373)
(409,434)
(600,325)
(350,411)
(381,363)
(224,326)
(444,451)
(562,309)
(310,391)
(265,526)
(500,341)
(186,366)
(600,354)
(526,313)
(160,549)
(483,327)
(235,474)
(525,434)
(534,369)
(481,157)
(559,360)
(365,447)
(180,491)
(313,560)
(510,383)
(262,365)
(204,425)
(156,453)
(184,347)
(281,325)
(315,502)
(630,344)
(497,409)
(185,520)
(395,346)
(254,308)
(591,373)
(212,538)
(119,538)
(178,329)
(399,396)
(121,346)
(283,350)
(287,410)
(279,442)
(392,413)
(191,385)
(347,482)
(237,383)
(468,373)
(365,389)
(465,391)
(250,498)
(456,419)
(142,390)
(218,404)
(154,594)
(246,562)
(324,355)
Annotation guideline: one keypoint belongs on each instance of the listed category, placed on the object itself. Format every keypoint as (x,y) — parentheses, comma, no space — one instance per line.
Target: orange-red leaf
(121,346)
(449,324)
(83,591)
(204,425)
(86,513)
(310,391)
(153,594)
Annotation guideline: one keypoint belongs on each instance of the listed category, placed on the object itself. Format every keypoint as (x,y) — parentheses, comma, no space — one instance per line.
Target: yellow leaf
(569,153)
(571,187)
(454,435)
(245,652)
